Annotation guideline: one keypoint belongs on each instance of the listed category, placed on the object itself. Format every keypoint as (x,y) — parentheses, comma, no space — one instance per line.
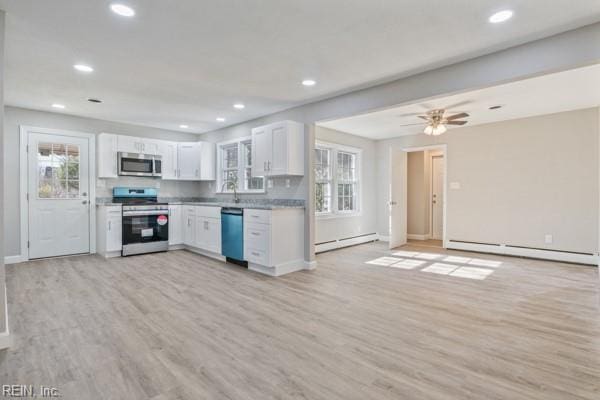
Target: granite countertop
(257,206)
(260,204)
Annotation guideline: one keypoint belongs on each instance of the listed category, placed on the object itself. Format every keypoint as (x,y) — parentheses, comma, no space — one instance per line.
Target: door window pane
(58,170)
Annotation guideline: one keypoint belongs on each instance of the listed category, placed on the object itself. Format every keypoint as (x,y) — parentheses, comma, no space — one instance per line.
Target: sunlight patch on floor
(455,266)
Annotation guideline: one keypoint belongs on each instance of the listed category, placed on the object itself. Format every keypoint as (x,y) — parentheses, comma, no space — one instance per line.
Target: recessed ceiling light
(501,16)
(183,126)
(220,119)
(83,68)
(239,106)
(56,105)
(122,10)
(309,82)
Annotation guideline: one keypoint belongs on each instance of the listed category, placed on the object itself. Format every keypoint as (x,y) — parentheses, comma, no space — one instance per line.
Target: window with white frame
(234,160)
(337,172)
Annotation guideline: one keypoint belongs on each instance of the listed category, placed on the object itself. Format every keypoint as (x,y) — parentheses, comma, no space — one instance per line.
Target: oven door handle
(143,213)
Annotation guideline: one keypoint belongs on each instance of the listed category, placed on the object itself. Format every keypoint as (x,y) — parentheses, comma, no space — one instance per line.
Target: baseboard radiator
(350,241)
(522,251)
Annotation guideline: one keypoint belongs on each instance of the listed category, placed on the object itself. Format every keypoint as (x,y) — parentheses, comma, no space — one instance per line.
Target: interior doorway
(418,196)
(57,182)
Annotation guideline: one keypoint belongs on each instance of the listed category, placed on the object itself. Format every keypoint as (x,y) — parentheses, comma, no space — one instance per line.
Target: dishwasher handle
(232,211)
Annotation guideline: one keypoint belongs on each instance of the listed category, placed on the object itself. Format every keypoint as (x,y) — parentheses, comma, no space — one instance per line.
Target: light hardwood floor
(180,326)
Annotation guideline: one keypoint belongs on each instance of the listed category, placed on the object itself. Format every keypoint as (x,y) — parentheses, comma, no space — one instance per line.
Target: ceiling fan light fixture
(428,130)
(438,130)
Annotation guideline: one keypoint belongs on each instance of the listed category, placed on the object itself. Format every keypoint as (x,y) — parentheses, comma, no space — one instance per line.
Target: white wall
(330,229)
(3,305)
(519,180)
(14,117)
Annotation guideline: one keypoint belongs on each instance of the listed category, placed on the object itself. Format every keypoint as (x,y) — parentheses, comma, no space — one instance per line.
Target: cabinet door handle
(255,254)
(265,166)
(109,226)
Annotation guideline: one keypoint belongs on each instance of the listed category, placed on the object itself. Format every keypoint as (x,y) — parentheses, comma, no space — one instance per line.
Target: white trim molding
(338,244)
(553,255)
(24,179)
(14,259)
(5,339)
(414,236)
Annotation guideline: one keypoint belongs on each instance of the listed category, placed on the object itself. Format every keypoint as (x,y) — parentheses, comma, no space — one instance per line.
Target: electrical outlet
(100,183)
(455,185)
(270,183)
(287,183)
(548,239)
(210,185)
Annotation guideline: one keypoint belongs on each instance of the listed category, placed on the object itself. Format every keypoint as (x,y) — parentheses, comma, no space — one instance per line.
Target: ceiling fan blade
(409,115)
(425,117)
(456,122)
(459,104)
(456,116)
(420,123)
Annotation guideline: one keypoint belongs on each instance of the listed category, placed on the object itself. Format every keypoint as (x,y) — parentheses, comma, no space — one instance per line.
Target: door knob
(392,203)
(84,202)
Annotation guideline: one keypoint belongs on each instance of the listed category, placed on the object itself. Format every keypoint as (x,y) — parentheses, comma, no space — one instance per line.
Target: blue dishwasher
(232,234)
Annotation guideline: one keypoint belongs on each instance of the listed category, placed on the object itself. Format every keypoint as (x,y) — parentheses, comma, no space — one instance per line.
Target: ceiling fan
(437,121)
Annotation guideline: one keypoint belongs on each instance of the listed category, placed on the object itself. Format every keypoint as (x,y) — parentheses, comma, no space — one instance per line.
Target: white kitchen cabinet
(169,160)
(208,229)
(188,158)
(208,154)
(274,240)
(109,231)
(175,225)
(131,144)
(189,225)
(106,159)
(278,149)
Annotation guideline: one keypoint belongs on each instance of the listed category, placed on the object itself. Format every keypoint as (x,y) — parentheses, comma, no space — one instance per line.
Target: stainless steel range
(145,221)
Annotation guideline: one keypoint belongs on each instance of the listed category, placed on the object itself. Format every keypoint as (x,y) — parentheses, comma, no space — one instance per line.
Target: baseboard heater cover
(523,251)
(345,242)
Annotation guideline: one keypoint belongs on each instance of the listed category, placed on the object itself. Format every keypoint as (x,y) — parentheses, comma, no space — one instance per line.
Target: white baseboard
(337,244)
(413,236)
(278,270)
(310,264)
(578,258)
(14,259)
(210,254)
(383,238)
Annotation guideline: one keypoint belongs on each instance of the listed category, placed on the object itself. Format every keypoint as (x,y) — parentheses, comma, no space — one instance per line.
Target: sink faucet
(233,184)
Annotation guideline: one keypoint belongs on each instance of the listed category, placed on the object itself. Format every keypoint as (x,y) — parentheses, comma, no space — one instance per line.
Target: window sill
(338,215)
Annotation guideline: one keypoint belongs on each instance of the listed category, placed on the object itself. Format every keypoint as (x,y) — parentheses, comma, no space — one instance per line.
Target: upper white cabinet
(196,161)
(168,153)
(131,144)
(106,147)
(278,149)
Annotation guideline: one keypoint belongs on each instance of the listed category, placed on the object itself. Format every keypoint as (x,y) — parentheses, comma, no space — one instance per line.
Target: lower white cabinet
(175,225)
(274,240)
(189,225)
(208,234)
(109,231)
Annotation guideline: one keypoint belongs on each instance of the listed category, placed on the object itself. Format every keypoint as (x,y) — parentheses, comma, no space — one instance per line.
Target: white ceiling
(563,91)
(188,61)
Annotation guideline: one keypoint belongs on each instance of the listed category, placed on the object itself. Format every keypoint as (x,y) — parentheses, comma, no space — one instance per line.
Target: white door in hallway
(398,197)
(437,197)
(58,193)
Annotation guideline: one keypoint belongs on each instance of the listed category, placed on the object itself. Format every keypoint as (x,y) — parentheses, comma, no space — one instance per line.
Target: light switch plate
(455,185)
(100,183)
(548,239)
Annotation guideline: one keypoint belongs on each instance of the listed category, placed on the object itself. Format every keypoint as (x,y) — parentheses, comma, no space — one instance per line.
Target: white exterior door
(398,197)
(437,197)
(58,191)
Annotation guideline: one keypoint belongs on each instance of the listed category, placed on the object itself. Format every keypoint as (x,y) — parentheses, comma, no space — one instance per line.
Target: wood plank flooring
(180,326)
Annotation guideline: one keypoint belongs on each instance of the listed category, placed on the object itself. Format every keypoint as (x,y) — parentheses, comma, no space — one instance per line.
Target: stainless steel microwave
(134,164)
